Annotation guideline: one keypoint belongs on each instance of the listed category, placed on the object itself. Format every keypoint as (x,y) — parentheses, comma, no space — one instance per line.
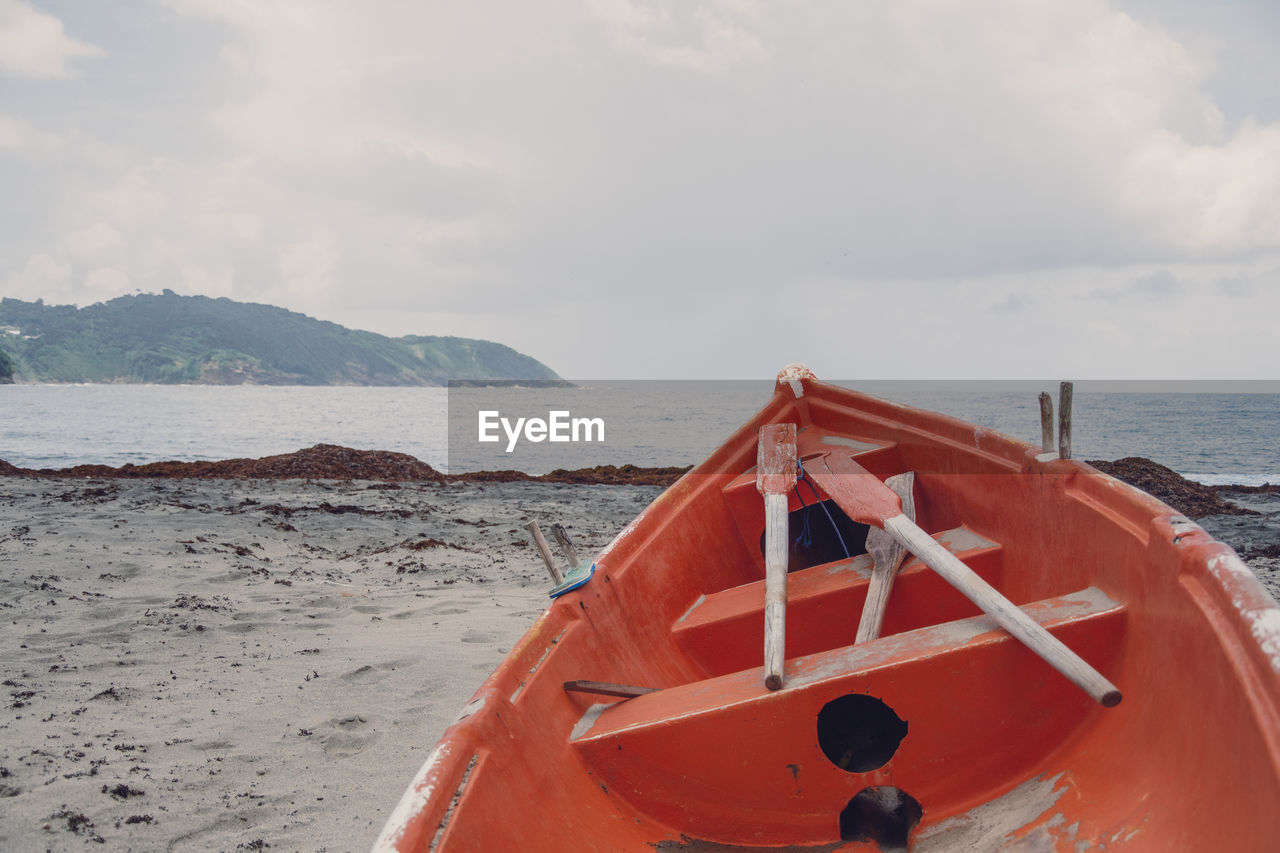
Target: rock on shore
(1187,496)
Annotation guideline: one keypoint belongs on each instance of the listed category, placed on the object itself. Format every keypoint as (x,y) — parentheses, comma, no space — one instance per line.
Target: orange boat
(722,679)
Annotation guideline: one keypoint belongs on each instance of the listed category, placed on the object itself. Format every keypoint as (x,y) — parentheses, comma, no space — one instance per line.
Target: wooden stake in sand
(566,545)
(541,544)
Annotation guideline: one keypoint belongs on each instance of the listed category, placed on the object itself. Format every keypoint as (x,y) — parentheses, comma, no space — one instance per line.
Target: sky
(997,189)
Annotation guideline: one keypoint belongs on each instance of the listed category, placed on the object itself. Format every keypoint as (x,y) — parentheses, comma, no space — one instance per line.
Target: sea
(1212,432)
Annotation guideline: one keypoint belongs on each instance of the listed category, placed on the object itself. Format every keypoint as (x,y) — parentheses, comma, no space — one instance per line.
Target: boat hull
(975,743)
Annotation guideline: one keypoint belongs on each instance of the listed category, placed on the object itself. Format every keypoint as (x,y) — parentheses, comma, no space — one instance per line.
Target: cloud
(1155,284)
(308,265)
(1205,199)
(94,244)
(1158,283)
(609,168)
(107,283)
(42,276)
(702,39)
(1237,286)
(34,44)
(17,134)
(1016,302)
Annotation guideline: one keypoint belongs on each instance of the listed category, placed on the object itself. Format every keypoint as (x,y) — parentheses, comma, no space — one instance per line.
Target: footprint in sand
(213,746)
(377,671)
(358,674)
(474,636)
(348,736)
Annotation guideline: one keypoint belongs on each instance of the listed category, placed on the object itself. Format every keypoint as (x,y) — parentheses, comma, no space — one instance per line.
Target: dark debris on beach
(321,462)
(333,462)
(1186,496)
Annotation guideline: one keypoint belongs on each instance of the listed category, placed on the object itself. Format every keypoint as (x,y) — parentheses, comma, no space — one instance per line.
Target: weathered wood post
(541,544)
(566,545)
(1064,420)
(1046,422)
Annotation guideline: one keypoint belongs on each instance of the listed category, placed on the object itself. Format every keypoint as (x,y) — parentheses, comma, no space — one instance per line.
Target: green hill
(169,338)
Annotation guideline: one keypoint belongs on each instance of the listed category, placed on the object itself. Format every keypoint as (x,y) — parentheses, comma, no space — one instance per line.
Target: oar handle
(1006,614)
(775,475)
(887,554)
(775,589)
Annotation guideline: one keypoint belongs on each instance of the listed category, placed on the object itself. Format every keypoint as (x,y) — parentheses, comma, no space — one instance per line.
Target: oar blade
(776,459)
(857,491)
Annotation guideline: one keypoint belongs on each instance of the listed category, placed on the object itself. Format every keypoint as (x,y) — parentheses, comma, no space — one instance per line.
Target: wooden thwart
(867,500)
(775,477)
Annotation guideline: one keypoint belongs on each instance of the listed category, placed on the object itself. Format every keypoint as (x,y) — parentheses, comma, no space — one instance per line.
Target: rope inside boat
(805,539)
(805,531)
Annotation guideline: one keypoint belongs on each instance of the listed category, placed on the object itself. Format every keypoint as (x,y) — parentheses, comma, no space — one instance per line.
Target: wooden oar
(867,500)
(888,554)
(775,477)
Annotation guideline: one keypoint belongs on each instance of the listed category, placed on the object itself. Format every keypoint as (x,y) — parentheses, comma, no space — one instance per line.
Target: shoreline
(339,463)
(335,462)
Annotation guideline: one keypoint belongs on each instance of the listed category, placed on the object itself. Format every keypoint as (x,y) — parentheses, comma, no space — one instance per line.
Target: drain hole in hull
(859,733)
(883,815)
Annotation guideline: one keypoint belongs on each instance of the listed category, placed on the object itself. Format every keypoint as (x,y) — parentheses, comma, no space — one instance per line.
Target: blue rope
(805,539)
(822,504)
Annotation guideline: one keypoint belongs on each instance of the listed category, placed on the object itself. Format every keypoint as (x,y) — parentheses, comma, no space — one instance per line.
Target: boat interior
(944,733)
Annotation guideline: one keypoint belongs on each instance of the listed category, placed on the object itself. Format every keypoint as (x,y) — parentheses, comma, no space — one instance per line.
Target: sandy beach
(248,665)
(264,664)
